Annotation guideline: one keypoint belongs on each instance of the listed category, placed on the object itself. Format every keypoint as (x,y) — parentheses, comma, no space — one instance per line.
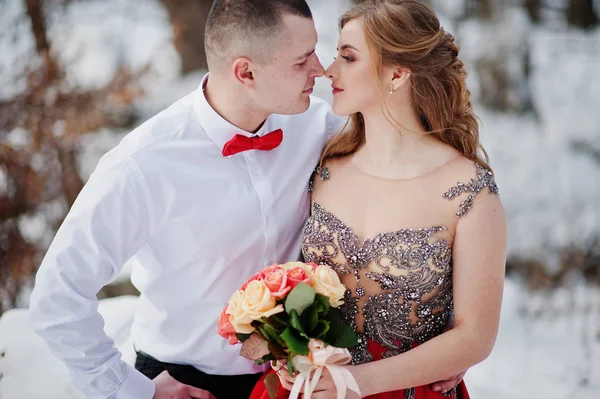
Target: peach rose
(239,320)
(298,272)
(327,282)
(259,276)
(292,265)
(276,281)
(312,266)
(225,329)
(258,301)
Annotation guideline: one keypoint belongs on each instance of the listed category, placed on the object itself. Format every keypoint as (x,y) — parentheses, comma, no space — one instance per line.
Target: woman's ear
(400,77)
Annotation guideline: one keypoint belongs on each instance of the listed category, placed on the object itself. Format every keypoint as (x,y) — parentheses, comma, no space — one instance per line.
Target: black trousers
(222,386)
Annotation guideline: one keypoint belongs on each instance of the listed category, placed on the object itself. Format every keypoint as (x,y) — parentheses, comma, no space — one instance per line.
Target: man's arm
(108,223)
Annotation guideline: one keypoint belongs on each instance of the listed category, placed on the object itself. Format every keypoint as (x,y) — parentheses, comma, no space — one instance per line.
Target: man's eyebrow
(308,54)
(345,46)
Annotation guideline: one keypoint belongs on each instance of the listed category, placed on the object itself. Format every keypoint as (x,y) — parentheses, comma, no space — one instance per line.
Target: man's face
(284,84)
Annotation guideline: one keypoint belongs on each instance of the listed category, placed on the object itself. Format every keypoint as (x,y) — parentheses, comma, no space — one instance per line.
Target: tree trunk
(480,9)
(35,13)
(580,14)
(38,25)
(188,18)
(534,10)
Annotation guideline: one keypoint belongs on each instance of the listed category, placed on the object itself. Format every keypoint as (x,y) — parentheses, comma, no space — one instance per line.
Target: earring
(391,89)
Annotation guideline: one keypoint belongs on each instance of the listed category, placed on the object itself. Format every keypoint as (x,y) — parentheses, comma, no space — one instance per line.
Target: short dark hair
(237,24)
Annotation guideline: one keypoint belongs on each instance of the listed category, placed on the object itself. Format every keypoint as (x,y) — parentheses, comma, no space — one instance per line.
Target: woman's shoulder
(467,182)
(323,171)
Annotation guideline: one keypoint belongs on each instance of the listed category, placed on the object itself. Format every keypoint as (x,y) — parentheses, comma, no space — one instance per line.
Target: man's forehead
(299,37)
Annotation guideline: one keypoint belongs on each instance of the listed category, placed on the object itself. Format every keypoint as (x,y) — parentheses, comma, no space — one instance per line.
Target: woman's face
(353,74)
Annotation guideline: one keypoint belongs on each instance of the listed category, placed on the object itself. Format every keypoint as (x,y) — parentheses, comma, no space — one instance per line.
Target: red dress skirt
(422,392)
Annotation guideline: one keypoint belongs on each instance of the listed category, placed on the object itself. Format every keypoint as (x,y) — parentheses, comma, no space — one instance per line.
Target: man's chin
(300,108)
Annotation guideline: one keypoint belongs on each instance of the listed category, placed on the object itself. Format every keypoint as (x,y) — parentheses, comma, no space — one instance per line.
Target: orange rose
(225,329)
(259,276)
(276,280)
(297,275)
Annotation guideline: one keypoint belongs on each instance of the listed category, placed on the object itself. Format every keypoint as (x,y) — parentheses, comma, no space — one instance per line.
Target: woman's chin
(339,110)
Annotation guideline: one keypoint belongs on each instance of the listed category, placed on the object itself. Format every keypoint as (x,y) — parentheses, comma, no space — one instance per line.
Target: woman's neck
(393,140)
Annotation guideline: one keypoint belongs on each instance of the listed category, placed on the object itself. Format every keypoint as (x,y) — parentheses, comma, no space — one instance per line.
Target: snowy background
(544,147)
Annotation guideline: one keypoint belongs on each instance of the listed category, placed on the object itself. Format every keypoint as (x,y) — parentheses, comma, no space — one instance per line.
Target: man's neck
(232,105)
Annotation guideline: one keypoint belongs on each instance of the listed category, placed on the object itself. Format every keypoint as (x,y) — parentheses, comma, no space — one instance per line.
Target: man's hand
(446,385)
(168,387)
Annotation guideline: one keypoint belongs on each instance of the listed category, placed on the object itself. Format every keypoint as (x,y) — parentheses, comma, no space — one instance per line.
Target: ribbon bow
(319,358)
(241,143)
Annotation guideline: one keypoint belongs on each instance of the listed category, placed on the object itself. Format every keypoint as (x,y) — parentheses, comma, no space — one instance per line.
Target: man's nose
(318,69)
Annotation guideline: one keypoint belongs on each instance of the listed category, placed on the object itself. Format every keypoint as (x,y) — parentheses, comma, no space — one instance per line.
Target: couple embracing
(250,170)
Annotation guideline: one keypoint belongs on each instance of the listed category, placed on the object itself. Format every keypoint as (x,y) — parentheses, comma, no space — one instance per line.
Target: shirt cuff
(135,386)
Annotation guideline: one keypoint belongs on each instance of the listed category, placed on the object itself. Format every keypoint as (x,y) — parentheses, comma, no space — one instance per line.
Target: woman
(411,244)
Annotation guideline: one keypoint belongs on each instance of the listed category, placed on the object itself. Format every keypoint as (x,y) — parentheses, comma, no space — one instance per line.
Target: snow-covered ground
(28,369)
(547,348)
(549,344)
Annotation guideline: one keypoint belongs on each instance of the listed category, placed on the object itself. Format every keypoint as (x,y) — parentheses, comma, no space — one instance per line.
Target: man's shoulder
(161,130)
(166,125)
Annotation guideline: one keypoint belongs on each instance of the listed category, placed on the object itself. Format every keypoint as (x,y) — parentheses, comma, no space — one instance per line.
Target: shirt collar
(216,127)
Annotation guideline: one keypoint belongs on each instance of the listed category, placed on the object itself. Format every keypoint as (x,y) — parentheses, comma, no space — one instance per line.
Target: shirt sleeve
(108,223)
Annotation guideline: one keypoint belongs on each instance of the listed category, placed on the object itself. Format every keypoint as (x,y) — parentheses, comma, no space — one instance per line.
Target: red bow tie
(241,143)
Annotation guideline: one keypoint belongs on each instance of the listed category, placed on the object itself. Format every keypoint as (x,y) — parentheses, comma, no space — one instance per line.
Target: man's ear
(243,70)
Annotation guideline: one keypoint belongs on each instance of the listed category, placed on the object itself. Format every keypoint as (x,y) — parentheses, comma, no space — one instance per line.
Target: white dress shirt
(194,223)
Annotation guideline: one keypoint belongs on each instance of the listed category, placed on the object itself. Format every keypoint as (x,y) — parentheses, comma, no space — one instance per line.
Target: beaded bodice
(399,283)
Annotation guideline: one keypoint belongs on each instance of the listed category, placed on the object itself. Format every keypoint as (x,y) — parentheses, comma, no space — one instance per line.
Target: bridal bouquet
(287,314)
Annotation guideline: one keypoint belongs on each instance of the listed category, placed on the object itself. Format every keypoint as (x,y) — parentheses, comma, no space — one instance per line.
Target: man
(200,197)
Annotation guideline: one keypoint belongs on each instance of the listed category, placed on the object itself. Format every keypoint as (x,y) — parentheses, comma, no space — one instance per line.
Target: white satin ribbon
(319,358)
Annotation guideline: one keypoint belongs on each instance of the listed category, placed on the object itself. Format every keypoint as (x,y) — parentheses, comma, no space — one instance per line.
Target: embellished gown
(398,271)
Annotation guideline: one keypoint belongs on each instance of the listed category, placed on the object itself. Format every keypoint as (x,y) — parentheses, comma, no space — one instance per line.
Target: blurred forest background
(46,115)
(77,75)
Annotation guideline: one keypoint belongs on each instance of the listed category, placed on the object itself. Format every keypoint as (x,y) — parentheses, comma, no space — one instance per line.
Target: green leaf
(334,315)
(242,337)
(270,334)
(340,335)
(264,359)
(294,341)
(280,321)
(320,329)
(290,365)
(295,321)
(322,303)
(301,297)
(276,350)
(310,317)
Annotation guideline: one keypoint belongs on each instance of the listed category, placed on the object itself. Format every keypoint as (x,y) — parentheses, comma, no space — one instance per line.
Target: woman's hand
(326,389)
(446,385)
